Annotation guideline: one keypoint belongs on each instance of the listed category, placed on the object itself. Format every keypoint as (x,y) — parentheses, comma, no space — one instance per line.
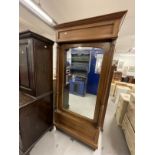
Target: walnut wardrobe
(74,42)
(80,45)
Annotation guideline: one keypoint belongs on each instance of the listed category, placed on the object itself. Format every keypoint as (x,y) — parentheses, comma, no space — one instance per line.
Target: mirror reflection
(82,73)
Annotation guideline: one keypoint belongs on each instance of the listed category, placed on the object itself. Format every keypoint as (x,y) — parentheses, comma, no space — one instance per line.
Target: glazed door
(79,111)
(25,65)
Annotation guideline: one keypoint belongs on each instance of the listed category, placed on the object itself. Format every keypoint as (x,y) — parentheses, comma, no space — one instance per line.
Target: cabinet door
(25,65)
(43,66)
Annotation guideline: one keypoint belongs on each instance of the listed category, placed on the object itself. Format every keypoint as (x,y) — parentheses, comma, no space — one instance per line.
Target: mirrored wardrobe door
(82,70)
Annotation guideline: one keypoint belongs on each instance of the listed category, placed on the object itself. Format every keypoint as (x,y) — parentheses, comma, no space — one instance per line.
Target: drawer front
(132,98)
(118,112)
(121,110)
(129,134)
(131,114)
(87,32)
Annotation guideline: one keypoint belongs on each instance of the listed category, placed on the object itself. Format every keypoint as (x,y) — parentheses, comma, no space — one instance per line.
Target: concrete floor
(111,141)
(84,106)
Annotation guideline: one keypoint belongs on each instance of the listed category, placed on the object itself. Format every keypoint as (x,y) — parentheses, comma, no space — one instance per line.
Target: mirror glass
(82,73)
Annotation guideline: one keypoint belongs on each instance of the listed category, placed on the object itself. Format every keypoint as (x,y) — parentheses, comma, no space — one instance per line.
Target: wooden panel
(106,87)
(35,118)
(26,67)
(43,67)
(80,129)
(86,33)
(23,66)
(95,28)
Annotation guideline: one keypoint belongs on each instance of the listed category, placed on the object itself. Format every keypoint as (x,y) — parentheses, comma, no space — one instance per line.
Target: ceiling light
(79,47)
(30,5)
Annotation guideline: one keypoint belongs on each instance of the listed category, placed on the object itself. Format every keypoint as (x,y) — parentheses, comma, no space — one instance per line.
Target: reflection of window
(115,62)
(120,65)
(69,56)
(131,69)
(99,58)
(125,70)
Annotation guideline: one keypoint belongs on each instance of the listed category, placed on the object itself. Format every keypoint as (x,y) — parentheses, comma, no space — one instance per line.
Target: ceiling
(69,10)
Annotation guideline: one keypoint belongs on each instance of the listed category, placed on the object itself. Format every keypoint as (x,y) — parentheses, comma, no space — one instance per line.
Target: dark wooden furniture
(117,76)
(36,96)
(35,63)
(128,79)
(96,32)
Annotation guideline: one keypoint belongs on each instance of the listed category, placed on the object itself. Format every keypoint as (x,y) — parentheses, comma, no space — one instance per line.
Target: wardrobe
(36,89)
(99,33)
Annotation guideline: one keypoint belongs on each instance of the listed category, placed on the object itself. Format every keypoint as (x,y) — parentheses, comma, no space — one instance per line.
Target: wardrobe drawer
(131,114)
(122,104)
(132,98)
(129,134)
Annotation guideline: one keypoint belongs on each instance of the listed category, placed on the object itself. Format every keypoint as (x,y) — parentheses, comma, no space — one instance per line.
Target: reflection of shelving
(80,66)
(80,60)
(81,75)
(79,70)
(77,87)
